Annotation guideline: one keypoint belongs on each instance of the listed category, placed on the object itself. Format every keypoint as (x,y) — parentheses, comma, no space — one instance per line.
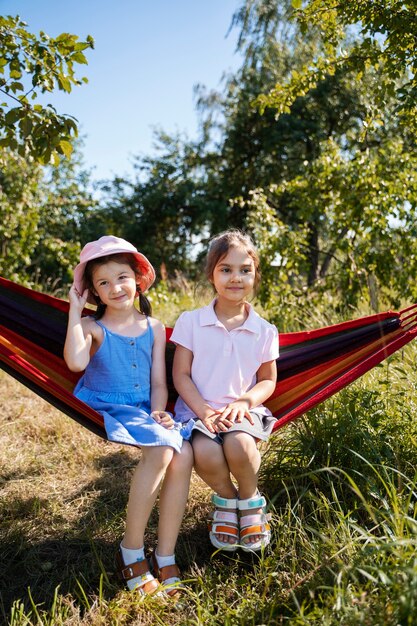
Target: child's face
(115,284)
(234,275)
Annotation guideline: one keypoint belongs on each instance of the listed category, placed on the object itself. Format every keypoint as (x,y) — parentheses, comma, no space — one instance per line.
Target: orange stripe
(310,382)
(254,530)
(53,366)
(223,530)
(31,373)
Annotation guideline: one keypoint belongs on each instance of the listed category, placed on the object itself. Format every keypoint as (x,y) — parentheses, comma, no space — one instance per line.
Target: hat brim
(146,273)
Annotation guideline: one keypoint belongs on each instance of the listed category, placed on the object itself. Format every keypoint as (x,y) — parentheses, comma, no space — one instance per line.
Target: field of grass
(341,483)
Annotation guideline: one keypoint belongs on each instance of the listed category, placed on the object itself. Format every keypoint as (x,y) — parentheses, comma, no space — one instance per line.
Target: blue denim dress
(117,384)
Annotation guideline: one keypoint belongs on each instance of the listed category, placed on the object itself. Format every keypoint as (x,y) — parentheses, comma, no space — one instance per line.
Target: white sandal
(224,523)
(169,576)
(255,524)
(147,584)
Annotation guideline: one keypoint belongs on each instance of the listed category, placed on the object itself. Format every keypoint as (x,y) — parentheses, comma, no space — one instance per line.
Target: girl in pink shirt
(224,369)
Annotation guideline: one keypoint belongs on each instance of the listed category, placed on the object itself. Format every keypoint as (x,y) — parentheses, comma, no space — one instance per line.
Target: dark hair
(221,244)
(123,257)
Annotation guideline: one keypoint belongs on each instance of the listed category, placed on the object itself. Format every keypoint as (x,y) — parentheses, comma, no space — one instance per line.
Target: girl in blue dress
(122,350)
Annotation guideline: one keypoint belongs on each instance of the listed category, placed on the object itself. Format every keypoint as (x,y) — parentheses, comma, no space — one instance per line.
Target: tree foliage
(20,201)
(44,215)
(31,65)
(342,189)
(327,187)
(356,36)
(161,208)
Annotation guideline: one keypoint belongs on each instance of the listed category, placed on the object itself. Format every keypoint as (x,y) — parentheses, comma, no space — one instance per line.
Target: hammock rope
(313,365)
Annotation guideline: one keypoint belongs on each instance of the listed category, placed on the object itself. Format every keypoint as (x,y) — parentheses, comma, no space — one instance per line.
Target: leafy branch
(33,130)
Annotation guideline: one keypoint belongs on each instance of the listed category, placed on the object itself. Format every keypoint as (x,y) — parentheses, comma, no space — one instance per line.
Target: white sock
(165,560)
(129,557)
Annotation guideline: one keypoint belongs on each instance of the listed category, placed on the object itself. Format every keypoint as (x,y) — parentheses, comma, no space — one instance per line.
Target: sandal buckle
(127,573)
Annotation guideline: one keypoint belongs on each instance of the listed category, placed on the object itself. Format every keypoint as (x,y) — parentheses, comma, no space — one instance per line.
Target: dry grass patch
(62,507)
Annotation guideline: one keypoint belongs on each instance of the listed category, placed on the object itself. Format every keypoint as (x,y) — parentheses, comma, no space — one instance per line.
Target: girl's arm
(266,378)
(79,338)
(181,373)
(159,389)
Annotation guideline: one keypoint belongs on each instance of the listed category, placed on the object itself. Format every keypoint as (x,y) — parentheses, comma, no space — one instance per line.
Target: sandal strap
(134,570)
(167,573)
(225,516)
(224,503)
(257,518)
(261,529)
(220,529)
(256,502)
(169,576)
(139,569)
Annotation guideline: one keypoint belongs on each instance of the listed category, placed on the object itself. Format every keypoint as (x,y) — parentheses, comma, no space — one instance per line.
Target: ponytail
(145,306)
(101,308)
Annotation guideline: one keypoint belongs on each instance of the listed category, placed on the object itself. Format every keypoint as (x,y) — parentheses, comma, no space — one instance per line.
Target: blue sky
(149,54)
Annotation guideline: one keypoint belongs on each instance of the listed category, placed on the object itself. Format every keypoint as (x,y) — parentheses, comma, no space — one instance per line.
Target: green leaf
(66,147)
(25,126)
(12,116)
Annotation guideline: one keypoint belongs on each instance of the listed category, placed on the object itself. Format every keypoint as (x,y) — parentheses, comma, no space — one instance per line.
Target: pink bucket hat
(112,245)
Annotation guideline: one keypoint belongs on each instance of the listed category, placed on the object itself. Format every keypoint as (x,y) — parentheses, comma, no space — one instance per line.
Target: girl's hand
(209,420)
(77,300)
(232,413)
(165,419)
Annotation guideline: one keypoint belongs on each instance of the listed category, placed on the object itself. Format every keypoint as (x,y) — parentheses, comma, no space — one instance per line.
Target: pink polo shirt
(224,362)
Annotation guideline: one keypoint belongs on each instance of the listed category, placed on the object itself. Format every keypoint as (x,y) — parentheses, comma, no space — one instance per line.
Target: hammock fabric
(313,365)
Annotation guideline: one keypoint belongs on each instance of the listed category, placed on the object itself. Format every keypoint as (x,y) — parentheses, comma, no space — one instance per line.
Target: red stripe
(288,339)
(347,378)
(303,390)
(22,366)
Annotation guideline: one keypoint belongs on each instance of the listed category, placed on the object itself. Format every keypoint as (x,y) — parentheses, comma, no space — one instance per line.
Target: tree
(328,196)
(161,209)
(66,219)
(365,204)
(20,206)
(346,191)
(384,36)
(44,214)
(31,65)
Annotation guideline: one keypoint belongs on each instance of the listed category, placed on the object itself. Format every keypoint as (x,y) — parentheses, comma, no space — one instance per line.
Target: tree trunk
(313,245)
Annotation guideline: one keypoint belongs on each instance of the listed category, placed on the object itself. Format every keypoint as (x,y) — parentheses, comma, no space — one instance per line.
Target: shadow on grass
(42,556)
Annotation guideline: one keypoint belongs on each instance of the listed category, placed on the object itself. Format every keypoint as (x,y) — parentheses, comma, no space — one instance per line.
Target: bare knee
(183,461)
(157,456)
(208,454)
(241,448)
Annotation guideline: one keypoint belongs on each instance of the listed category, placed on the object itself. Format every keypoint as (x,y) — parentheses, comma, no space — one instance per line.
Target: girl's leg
(244,460)
(211,465)
(143,492)
(173,499)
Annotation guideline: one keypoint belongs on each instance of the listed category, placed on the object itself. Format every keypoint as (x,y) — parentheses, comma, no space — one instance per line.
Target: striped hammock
(313,365)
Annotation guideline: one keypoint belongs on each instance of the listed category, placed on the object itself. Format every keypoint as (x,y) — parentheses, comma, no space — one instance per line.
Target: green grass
(342,487)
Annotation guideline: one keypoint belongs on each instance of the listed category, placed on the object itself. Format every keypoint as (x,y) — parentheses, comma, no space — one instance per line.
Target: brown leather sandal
(169,576)
(139,569)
